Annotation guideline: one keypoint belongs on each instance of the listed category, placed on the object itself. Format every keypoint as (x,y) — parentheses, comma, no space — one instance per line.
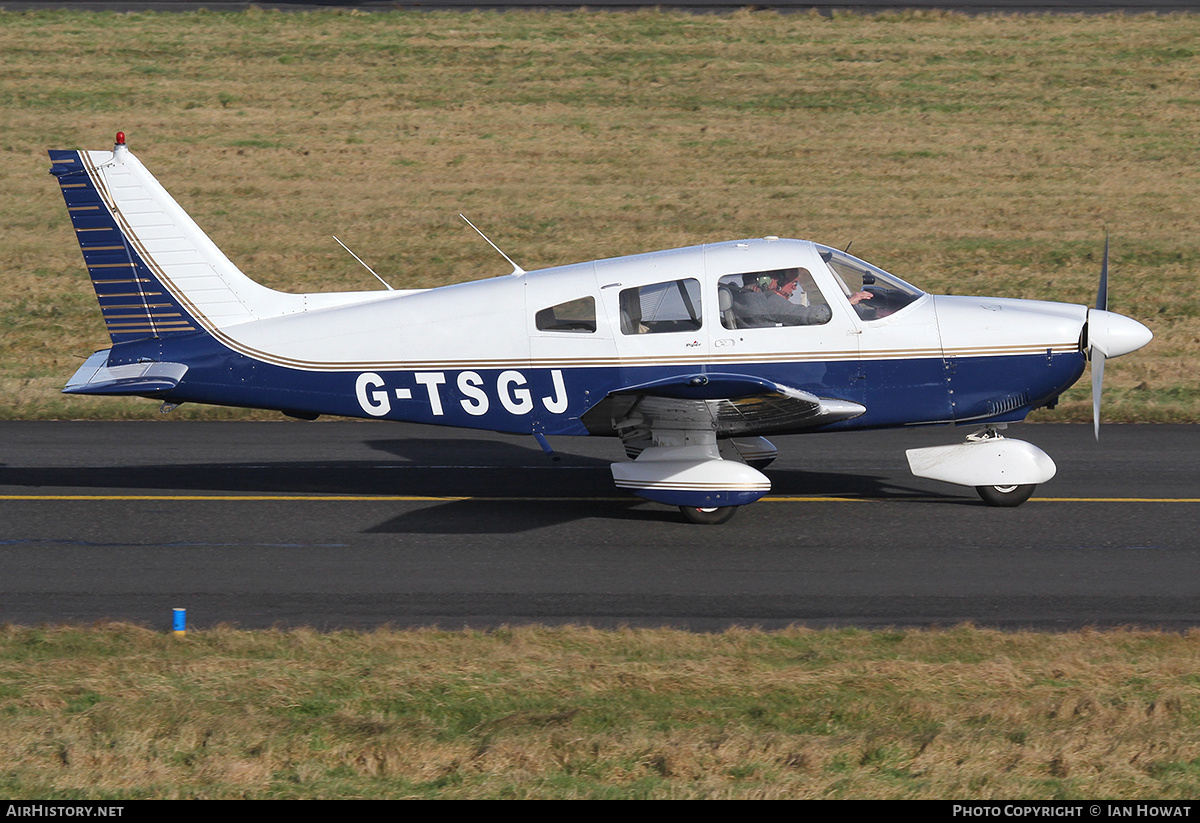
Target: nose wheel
(1006,496)
(708,517)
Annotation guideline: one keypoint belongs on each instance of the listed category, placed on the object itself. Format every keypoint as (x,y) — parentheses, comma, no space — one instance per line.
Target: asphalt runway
(349,524)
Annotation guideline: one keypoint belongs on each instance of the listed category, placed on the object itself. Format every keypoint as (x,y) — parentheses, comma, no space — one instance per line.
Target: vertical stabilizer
(155,272)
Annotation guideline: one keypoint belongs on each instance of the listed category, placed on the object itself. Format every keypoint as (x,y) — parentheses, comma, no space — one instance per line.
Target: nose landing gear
(708,517)
(1006,496)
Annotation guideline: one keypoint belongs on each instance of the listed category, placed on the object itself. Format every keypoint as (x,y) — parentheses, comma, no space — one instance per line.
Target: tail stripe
(125,302)
(155,271)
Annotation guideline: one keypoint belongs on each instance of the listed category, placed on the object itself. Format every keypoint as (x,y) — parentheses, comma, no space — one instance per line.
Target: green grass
(120,712)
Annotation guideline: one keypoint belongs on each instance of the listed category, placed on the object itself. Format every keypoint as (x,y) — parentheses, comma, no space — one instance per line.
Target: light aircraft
(671,351)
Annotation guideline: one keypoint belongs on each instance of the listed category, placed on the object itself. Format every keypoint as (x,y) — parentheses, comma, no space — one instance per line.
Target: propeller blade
(1102,292)
(1109,335)
(1097,354)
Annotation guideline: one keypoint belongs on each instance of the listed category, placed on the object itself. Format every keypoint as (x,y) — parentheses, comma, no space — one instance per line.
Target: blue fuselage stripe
(552,400)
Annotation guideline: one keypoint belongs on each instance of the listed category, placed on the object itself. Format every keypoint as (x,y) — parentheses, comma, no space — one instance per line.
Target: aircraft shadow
(512,488)
(503,516)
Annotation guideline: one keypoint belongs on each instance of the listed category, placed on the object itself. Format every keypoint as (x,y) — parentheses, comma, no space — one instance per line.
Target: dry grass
(970,155)
(121,712)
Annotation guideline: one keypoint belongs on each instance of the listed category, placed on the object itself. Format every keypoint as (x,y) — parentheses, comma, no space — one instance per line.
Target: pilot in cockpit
(765,300)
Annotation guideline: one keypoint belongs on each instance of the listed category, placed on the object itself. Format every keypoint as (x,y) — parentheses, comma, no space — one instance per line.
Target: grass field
(122,712)
(969,155)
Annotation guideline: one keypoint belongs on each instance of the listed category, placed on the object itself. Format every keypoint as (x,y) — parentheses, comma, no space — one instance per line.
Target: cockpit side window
(872,292)
(661,307)
(577,316)
(780,297)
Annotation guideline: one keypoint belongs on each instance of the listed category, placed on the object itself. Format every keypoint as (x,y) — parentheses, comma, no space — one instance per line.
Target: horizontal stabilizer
(96,377)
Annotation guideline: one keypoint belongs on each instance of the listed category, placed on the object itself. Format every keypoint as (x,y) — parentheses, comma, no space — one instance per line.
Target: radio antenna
(364,265)
(516,269)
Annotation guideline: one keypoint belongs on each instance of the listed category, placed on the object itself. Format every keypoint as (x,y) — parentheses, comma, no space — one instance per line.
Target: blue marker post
(179,621)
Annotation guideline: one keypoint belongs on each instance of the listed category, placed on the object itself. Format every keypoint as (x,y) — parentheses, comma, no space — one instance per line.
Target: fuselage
(539,351)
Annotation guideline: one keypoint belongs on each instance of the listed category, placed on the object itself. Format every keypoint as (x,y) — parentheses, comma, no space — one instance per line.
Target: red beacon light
(120,138)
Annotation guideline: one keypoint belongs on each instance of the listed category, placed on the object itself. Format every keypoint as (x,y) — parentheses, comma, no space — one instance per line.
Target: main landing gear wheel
(708,517)
(1006,496)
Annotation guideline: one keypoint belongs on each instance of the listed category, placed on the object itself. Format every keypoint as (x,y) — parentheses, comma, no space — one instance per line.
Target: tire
(708,517)
(1006,496)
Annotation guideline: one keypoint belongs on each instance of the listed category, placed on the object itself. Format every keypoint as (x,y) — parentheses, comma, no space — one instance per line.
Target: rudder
(134,305)
(155,272)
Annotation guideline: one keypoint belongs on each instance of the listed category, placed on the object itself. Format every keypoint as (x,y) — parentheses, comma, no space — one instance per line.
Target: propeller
(1098,356)
(1109,335)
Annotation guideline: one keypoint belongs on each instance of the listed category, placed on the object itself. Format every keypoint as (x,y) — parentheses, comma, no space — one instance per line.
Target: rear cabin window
(661,307)
(573,316)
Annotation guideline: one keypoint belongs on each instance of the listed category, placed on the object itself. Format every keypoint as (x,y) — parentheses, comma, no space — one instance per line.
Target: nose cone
(1115,334)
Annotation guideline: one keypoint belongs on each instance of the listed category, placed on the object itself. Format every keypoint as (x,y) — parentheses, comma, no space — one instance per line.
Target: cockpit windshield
(888,294)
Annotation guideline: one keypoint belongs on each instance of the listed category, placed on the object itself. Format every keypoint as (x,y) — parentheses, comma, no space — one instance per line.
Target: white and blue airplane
(690,356)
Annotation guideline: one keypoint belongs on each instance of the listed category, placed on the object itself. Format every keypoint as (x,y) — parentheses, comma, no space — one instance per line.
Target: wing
(730,405)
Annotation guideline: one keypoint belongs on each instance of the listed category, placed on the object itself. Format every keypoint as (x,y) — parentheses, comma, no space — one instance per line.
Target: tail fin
(155,272)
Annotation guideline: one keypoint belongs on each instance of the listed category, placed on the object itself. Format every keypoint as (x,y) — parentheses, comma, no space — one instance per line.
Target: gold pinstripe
(580,362)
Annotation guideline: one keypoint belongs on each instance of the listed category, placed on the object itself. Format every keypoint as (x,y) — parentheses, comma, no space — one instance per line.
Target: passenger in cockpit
(765,300)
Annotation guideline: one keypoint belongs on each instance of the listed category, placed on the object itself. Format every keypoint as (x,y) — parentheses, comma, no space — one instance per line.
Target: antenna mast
(516,269)
(364,265)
